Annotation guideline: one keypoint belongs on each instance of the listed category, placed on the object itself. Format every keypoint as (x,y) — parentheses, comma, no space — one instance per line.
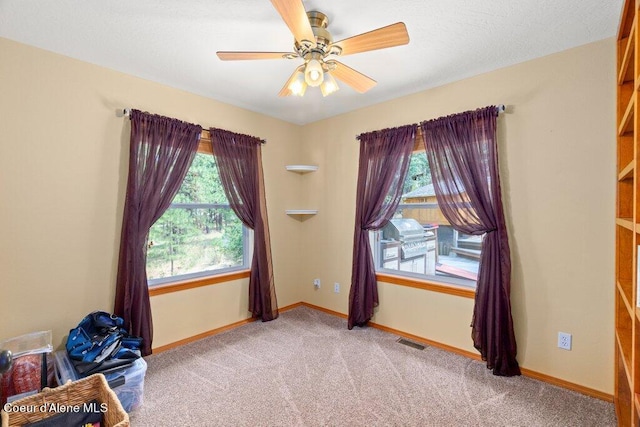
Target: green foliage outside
(419,173)
(187,240)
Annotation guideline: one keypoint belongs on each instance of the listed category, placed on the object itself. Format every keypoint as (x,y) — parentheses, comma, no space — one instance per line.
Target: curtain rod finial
(123,112)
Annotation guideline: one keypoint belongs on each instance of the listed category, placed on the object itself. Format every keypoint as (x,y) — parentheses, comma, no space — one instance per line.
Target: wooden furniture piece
(627,313)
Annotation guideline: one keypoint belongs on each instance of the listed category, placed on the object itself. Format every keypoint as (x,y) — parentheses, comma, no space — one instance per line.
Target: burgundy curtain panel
(160,153)
(384,161)
(463,156)
(239,159)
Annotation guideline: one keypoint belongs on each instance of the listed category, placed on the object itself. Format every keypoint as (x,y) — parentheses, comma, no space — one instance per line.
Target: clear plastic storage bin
(127,383)
(30,368)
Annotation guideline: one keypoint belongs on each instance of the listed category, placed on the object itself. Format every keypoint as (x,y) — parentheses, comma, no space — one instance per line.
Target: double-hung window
(199,234)
(419,241)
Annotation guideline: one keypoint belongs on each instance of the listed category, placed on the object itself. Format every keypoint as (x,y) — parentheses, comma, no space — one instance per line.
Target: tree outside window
(199,234)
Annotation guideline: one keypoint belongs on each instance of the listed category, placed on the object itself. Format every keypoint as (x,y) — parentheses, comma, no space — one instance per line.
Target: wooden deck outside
(471,253)
(456,272)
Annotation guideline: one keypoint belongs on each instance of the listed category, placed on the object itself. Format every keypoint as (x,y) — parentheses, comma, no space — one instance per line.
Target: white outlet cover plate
(564,340)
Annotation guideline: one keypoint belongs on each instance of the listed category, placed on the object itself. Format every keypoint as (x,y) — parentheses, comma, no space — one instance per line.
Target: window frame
(207,277)
(374,238)
(449,285)
(247,240)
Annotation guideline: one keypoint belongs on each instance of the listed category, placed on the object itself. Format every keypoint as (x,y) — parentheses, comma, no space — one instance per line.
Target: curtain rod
(126,112)
(500,107)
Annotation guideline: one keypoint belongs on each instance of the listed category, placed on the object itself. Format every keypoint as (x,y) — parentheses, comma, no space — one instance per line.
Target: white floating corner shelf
(301,211)
(302,168)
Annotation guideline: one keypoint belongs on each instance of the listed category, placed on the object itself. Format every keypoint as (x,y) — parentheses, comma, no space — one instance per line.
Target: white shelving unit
(301,211)
(302,168)
(301,214)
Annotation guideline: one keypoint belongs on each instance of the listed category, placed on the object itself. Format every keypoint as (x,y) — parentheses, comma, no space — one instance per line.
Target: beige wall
(63,172)
(63,163)
(557,155)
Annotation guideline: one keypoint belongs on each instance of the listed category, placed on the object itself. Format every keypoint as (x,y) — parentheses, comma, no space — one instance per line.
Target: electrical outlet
(564,341)
(316,283)
(336,288)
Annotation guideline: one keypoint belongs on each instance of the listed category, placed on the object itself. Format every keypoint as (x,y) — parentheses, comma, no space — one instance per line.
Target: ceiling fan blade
(353,78)
(294,15)
(389,36)
(239,56)
(285,91)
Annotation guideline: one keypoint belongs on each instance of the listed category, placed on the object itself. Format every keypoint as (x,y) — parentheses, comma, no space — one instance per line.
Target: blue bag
(100,343)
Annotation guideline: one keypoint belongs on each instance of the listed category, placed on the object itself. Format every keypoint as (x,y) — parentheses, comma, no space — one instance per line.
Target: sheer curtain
(384,161)
(463,156)
(160,153)
(239,159)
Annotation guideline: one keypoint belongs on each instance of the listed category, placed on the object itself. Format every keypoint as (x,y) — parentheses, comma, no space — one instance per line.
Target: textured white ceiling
(174,42)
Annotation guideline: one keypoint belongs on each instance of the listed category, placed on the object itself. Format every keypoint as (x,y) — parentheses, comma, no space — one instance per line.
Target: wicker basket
(94,387)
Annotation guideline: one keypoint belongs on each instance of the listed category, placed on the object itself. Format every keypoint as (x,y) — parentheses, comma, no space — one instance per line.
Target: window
(199,235)
(419,241)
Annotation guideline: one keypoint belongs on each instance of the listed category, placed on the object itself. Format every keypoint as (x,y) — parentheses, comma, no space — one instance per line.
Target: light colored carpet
(307,369)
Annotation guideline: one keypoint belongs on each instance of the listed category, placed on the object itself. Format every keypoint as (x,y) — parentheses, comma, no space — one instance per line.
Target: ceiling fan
(314,44)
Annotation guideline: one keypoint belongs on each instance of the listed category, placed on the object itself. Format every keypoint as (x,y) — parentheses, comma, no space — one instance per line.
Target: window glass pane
(202,182)
(199,233)
(419,240)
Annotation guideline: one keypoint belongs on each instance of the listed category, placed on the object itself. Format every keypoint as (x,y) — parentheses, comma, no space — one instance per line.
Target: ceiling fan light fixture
(313,73)
(314,44)
(298,86)
(329,85)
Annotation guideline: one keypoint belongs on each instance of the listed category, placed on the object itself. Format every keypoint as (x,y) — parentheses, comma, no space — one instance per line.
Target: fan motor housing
(319,23)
